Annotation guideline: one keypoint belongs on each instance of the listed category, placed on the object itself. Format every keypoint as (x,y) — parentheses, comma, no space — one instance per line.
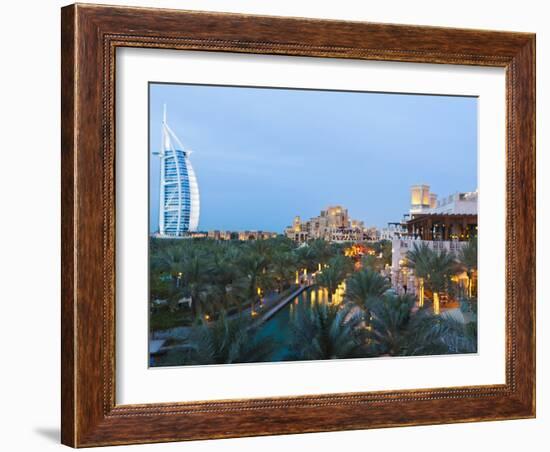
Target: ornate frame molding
(90,37)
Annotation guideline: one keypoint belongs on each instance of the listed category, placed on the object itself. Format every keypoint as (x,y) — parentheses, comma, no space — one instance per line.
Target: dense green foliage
(229,283)
(227,275)
(326,331)
(467,261)
(336,270)
(227,341)
(398,330)
(366,285)
(435,267)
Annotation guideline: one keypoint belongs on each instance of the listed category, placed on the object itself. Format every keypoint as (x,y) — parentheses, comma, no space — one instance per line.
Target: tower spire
(164,115)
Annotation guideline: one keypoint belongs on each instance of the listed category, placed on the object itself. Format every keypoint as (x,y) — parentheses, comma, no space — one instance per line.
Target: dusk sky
(262,156)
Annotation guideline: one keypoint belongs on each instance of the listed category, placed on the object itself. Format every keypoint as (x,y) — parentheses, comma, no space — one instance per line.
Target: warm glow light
(358,249)
(436,303)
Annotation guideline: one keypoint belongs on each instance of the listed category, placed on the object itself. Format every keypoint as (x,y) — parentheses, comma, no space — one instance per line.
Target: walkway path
(278,306)
(272,303)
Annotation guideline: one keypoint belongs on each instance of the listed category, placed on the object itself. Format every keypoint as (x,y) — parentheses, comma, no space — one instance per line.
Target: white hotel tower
(179,204)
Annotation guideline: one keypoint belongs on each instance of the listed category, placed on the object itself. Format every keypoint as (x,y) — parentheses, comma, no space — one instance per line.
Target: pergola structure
(432,226)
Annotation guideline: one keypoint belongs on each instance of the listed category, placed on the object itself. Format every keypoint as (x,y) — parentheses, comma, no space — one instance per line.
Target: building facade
(423,202)
(445,224)
(241,235)
(333,225)
(442,226)
(402,277)
(179,202)
(451,218)
(457,203)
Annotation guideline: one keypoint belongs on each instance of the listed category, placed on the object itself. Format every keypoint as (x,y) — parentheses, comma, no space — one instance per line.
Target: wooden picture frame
(90,36)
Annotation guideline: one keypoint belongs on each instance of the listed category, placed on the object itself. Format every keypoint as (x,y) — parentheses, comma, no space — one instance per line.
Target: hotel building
(444,224)
(179,204)
(241,235)
(332,225)
(450,218)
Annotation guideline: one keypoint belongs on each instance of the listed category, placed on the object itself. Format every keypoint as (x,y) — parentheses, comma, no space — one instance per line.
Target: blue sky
(264,155)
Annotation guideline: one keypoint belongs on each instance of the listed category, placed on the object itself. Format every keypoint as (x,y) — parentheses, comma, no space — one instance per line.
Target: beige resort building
(333,225)
(445,224)
(241,235)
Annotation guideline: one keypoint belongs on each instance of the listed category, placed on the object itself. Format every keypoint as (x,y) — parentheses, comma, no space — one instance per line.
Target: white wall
(29,397)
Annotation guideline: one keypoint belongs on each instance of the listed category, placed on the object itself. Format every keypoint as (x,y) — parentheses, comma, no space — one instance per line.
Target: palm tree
(373,263)
(430,334)
(194,273)
(467,259)
(397,330)
(364,286)
(225,273)
(443,266)
(325,332)
(263,248)
(282,268)
(252,267)
(227,341)
(322,251)
(383,249)
(331,276)
(169,258)
(387,251)
(433,269)
(163,289)
(457,336)
(419,259)
(390,317)
(306,257)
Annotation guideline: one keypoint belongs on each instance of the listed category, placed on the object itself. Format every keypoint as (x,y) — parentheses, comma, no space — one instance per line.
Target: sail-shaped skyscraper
(179,204)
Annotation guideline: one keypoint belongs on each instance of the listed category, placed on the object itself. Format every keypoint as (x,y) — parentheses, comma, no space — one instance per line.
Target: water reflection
(321,295)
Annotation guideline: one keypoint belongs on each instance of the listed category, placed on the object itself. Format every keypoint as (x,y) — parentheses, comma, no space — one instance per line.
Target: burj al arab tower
(179,204)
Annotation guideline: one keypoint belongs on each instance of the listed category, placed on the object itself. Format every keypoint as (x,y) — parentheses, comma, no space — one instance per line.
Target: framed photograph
(281,225)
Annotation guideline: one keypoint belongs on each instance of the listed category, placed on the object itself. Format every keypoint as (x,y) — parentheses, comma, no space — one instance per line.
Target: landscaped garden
(219,302)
